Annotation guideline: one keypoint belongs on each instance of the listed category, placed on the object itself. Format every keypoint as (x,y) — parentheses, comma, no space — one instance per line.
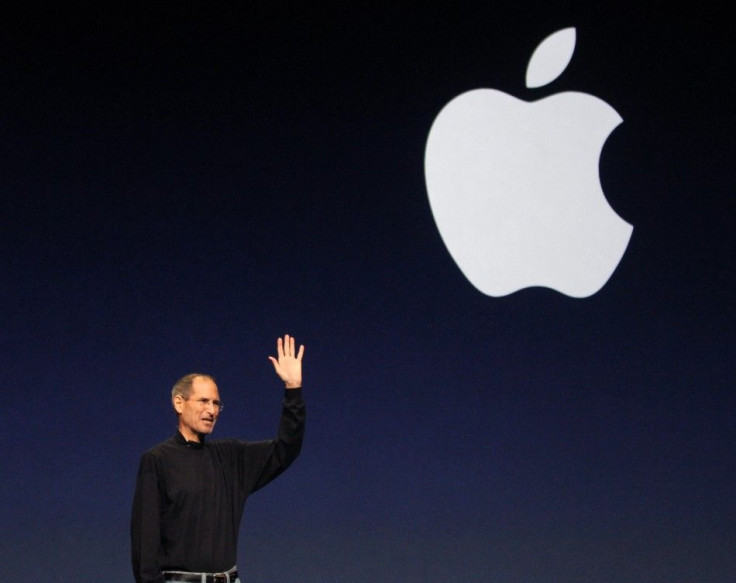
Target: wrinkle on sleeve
(274,456)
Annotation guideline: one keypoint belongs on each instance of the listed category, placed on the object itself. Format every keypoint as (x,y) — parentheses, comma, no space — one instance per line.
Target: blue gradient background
(183,182)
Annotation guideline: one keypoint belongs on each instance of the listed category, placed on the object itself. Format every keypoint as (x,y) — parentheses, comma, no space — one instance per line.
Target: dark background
(182,182)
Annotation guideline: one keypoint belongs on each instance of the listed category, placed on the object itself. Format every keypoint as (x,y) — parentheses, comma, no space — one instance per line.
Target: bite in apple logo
(514,185)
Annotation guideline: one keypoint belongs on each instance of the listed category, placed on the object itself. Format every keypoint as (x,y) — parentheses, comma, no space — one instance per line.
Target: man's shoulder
(226,444)
(161,448)
(237,448)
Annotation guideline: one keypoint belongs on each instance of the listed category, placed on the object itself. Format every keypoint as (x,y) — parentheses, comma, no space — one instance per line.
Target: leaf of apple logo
(514,185)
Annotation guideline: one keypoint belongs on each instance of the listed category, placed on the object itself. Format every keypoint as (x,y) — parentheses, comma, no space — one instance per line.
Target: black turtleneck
(190,496)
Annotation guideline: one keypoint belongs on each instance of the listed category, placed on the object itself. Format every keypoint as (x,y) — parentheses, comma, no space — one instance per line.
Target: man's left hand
(288,365)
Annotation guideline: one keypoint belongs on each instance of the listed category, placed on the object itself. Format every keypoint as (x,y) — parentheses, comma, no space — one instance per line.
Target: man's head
(197,402)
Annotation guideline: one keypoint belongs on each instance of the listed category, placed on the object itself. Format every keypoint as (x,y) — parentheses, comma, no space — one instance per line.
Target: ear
(178,403)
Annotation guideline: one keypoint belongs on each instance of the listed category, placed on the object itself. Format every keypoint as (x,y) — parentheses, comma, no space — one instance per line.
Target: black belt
(197,577)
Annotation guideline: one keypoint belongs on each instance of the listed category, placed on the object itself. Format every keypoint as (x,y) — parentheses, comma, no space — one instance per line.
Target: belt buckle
(219,578)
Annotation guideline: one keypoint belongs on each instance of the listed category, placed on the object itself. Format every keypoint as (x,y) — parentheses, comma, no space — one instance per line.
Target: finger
(291,346)
(280,348)
(301,352)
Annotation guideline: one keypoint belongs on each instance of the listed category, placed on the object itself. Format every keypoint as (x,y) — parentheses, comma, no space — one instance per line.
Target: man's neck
(191,436)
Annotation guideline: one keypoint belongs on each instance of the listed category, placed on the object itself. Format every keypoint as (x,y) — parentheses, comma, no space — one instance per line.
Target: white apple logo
(514,185)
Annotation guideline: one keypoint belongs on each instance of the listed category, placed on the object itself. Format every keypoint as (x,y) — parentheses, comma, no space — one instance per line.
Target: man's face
(198,413)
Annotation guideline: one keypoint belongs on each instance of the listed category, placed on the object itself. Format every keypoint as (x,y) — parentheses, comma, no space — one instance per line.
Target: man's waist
(191,577)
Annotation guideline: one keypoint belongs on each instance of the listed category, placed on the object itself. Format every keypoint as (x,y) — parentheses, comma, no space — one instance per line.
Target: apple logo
(514,185)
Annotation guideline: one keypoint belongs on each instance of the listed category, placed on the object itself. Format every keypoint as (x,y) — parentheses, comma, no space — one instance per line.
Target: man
(190,492)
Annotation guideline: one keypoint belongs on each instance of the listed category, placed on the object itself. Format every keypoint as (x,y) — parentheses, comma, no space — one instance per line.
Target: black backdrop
(183,182)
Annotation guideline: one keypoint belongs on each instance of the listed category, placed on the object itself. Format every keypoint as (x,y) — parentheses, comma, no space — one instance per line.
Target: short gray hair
(183,387)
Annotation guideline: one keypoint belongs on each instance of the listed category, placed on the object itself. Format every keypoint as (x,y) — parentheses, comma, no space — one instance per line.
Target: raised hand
(288,364)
